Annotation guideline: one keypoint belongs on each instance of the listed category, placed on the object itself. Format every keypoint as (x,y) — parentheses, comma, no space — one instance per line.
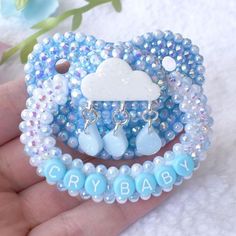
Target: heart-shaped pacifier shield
(116,100)
(118,103)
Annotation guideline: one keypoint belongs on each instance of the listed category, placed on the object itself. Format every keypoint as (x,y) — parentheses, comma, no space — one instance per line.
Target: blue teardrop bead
(115,142)
(148,141)
(90,141)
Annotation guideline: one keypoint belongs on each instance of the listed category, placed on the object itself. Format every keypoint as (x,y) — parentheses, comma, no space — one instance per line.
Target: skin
(29,206)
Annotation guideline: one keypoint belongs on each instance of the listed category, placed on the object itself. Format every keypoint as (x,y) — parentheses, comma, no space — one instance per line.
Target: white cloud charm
(115,80)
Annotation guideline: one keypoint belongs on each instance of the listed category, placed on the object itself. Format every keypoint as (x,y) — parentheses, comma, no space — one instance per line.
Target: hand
(29,206)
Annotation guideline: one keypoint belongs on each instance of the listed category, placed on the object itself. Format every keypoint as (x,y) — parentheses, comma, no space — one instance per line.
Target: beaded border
(113,184)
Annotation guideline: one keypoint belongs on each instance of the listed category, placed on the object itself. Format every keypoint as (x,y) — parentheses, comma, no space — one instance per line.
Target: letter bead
(54,170)
(95,184)
(183,164)
(165,176)
(124,186)
(145,184)
(74,180)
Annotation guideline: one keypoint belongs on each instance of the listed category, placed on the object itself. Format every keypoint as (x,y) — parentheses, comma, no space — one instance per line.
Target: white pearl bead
(121,200)
(73,193)
(49,142)
(98,198)
(169,63)
(112,172)
(23,126)
(84,195)
(125,169)
(88,168)
(67,159)
(46,118)
(24,138)
(158,161)
(101,169)
(148,166)
(60,84)
(77,163)
(136,169)
(40,171)
(61,99)
(178,148)
(25,114)
(38,92)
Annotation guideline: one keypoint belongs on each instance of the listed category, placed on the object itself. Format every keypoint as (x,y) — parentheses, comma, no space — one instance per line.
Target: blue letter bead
(165,176)
(95,184)
(183,164)
(124,186)
(74,180)
(54,170)
(145,184)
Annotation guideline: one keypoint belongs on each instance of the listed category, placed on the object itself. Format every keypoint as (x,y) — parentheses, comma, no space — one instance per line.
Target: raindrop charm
(115,142)
(115,80)
(90,140)
(148,141)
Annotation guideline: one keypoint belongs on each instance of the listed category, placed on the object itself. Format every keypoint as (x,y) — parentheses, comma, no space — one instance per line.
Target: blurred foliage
(25,47)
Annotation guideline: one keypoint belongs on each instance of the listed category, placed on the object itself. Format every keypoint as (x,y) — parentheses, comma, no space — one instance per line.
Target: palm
(28,205)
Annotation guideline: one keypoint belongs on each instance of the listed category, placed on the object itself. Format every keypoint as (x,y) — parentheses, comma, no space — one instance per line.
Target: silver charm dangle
(90,140)
(116,81)
(148,141)
(115,142)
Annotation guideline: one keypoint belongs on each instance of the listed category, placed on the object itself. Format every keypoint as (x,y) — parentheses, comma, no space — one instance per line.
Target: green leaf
(26,46)
(50,22)
(117,5)
(21,4)
(26,50)
(76,21)
(9,53)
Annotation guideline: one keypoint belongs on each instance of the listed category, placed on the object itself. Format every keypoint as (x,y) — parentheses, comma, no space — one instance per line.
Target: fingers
(96,219)
(15,170)
(17,174)
(55,202)
(12,221)
(42,202)
(13,96)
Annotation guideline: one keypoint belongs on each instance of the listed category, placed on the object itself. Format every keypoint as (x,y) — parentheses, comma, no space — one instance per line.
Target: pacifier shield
(156,54)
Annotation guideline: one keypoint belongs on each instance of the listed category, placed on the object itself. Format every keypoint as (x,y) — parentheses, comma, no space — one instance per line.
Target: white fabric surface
(206,204)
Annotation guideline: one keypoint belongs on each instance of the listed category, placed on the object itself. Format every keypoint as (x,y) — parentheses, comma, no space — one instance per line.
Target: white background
(206,204)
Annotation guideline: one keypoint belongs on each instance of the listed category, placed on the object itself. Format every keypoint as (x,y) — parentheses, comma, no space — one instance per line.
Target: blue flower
(33,12)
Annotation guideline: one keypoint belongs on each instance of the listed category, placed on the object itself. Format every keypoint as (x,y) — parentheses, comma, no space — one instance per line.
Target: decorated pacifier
(116,101)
